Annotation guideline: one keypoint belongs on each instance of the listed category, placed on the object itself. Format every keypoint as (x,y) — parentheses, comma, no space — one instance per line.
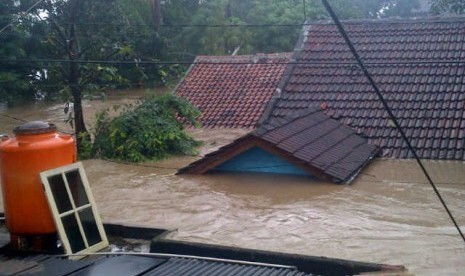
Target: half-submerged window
(73,209)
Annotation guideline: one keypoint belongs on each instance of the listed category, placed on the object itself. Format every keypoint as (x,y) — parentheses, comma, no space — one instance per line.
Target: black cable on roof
(388,109)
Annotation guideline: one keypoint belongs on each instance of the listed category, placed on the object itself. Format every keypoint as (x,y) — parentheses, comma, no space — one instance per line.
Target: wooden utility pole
(74,53)
(157,16)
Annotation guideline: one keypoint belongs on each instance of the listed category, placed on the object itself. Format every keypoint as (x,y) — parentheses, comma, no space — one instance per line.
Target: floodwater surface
(388,215)
(396,219)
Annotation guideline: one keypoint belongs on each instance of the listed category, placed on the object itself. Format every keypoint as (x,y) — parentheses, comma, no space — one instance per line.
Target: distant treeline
(44,45)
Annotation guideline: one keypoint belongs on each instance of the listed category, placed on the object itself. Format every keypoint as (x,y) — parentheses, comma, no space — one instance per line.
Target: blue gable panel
(259,161)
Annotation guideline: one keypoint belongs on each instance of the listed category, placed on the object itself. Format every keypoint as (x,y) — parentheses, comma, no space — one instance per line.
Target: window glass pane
(77,188)
(58,188)
(90,226)
(74,235)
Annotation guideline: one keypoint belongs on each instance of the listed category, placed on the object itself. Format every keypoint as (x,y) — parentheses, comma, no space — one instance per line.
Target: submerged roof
(232,91)
(309,139)
(419,67)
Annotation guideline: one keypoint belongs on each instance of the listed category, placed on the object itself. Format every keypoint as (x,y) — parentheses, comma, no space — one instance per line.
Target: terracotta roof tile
(419,67)
(232,91)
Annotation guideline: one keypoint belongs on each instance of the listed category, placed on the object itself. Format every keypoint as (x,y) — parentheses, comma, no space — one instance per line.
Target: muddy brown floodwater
(389,214)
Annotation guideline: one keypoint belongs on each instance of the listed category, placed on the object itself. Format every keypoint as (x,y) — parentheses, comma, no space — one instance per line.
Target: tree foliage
(16,42)
(448,6)
(77,31)
(129,37)
(151,130)
(123,30)
(263,36)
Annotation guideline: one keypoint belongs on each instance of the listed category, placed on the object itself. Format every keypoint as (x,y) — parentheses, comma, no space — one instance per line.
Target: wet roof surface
(232,91)
(129,265)
(172,257)
(308,138)
(418,66)
(320,142)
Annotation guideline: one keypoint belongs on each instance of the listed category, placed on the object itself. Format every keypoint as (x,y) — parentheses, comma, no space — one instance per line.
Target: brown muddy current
(388,215)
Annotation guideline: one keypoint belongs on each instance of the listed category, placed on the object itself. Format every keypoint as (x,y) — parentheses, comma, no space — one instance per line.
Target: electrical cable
(26,121)
(14,118)
(139,164)
(388,109)
(26,11)
(180,26)
(106,84)
(302,63)
(308,23)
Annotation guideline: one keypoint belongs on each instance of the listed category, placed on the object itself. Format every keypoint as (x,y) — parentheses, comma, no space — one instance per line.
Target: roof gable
(309,140)
(232,91)
(419,67)
(258,160)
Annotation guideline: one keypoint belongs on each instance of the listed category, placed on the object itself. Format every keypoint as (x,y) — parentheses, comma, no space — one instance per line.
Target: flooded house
(390,214)
(390,211)
(233,91)
(307,143)
(418,67)
(414,62)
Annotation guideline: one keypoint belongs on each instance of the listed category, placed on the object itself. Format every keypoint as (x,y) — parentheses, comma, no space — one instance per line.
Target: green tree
(447,6)
(150,130)
(16,79)
(79,30)
(269,13)
(147,42)
(365,9)
(271,39)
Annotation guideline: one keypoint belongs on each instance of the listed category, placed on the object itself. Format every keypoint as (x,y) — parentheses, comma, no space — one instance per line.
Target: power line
(26,11)
(180,25)
(391,114)
(14,118)
(268,25)
(306,63)
(39,85)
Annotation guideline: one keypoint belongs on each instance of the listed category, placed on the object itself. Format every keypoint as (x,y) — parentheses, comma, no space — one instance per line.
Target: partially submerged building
(307,143)
(232,91)
(419,66)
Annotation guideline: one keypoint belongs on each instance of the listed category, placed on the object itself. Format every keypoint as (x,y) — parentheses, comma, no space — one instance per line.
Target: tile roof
(232,91)
(419,67)
(309,139)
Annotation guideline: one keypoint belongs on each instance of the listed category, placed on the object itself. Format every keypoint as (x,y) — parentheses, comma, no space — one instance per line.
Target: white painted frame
(57,216)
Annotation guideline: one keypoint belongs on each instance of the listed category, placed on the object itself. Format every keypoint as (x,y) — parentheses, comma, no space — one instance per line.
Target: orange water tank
(36,147)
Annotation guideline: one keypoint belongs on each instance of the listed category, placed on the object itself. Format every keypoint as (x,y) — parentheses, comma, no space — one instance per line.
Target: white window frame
(57,216)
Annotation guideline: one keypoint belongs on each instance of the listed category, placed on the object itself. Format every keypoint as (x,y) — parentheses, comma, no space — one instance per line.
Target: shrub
(151,130)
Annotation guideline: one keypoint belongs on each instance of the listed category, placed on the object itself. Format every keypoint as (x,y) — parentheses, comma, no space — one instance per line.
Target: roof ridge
(433,19)
(273,123)
(223,58)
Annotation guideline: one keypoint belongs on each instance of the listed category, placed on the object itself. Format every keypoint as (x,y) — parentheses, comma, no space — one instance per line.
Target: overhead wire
(251,25)
(314,63)
(26,11)
(183,25)
(14,118)
(391,114)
